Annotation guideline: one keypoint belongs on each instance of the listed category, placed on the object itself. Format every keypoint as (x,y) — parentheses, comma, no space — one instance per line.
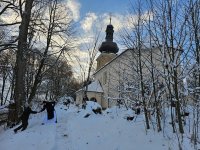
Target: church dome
(109,46)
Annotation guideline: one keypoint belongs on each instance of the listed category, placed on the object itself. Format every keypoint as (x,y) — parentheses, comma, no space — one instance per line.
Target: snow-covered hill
(107,131)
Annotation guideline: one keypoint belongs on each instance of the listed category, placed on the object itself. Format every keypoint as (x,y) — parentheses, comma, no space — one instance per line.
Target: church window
(105,77)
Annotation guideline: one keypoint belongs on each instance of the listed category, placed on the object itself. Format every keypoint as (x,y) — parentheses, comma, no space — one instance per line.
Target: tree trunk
(2,90)
(20,68)
(174,69)
(142,90)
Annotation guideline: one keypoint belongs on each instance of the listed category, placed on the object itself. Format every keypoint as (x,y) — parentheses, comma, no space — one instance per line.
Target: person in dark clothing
(137,108)
(24,118)
(85,98)
(49,106)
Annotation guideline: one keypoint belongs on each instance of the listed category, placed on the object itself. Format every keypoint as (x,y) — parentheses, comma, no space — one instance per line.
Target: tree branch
(9,24)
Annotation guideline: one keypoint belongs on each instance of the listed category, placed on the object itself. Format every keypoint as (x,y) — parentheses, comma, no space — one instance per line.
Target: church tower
(108,48)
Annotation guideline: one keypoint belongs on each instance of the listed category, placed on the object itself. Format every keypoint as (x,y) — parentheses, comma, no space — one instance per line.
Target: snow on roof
(95,86)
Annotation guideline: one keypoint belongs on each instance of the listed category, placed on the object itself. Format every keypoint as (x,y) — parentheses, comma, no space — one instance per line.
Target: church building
(116,73)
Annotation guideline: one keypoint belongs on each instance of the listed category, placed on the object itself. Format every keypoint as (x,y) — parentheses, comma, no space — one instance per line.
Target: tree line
(33,48)
(173,28)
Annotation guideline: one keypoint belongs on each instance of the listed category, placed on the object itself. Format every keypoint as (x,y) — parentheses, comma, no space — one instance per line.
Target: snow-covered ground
(107,131)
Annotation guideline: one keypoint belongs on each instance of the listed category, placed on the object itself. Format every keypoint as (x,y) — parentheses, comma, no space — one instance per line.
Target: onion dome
(109,46)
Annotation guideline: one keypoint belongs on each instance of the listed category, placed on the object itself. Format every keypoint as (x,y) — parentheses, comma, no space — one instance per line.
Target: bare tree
(153,77)
(135,39)
(194,27)
(8,41)
(40,21)
(6,71)
(92,53)
(56,25)
(57,79)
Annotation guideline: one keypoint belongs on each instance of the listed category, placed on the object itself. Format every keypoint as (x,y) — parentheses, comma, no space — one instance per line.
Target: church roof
(130,49)
(95,86)
(112,60)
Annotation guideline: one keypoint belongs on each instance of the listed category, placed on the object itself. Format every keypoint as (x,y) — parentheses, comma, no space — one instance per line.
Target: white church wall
(123,69)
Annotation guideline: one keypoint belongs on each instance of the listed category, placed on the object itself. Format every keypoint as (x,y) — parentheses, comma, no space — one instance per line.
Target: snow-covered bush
(92,108)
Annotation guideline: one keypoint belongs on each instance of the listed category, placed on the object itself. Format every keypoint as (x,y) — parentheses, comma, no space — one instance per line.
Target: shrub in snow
(136,107)
(92,108)
(121,112)
(66,100)
(97,111)
(129,115)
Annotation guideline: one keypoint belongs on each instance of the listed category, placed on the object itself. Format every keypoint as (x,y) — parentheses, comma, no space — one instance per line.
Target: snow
(94,87)
(107,131)
(92,105)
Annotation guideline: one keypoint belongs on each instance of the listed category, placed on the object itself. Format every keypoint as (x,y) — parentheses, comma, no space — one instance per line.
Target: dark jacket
(85,98)
(26,113)
(49,106)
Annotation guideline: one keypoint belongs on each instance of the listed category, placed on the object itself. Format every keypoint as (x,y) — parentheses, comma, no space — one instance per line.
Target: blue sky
(103,6)
(91,14)
(94,14)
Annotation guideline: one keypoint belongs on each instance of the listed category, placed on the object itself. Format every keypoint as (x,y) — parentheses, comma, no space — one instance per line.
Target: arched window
(93,99)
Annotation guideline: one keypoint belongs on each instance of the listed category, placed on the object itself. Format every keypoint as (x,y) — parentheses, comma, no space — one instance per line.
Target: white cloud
(116,20)
(88,21)
(74,7)
(132,19)
(79,61)
(93,23)
(100,21)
